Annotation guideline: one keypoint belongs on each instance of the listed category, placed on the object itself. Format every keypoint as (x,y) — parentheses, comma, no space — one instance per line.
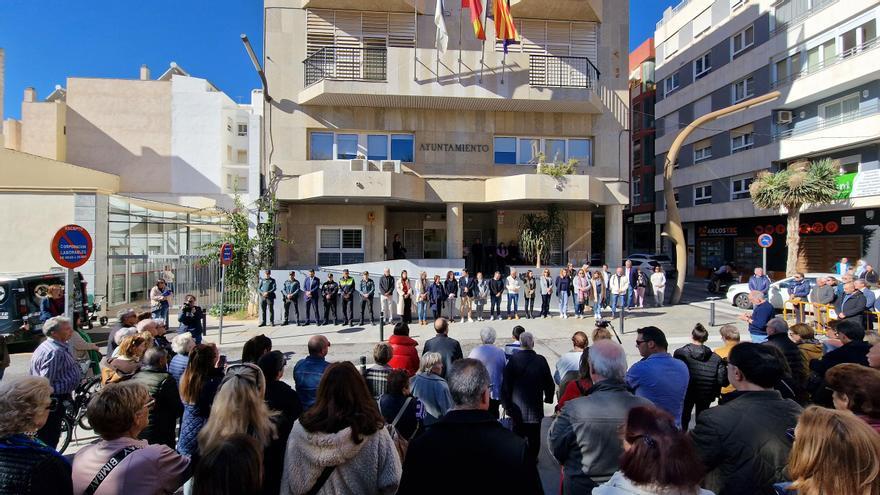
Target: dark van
(20,297)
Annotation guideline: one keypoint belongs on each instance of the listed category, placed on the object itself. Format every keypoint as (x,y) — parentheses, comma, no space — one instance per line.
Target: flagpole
(416,40)
(485,35)
(460,15)
(503,62)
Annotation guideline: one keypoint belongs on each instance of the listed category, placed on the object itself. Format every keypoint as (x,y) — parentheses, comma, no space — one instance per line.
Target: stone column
(613,235)
(454,230)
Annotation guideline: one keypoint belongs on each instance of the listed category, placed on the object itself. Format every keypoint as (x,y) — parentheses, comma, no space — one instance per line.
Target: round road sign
(765,240)
(72,246)
(226,254)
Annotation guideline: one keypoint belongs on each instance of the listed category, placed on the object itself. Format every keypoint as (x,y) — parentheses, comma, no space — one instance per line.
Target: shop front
(825,238)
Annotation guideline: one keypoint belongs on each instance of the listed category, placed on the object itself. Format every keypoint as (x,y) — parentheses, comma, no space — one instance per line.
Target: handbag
(400,442)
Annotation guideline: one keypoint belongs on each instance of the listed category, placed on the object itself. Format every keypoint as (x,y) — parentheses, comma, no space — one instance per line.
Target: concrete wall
(42,129)
(30,222)
(122,127)
(197,126)
(298,230)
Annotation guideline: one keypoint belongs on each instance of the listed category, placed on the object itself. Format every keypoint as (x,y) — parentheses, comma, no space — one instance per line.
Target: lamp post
(673,228)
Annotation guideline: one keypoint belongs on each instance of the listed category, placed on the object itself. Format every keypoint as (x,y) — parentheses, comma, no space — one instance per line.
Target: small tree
(792,189)
(537,231)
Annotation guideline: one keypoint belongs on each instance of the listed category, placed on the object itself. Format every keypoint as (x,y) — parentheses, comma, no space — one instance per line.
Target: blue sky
(47,41)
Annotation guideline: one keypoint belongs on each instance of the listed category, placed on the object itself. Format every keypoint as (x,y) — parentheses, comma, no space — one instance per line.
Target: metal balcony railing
(819,124)
(346,64)
(788,13)
(549,71)
(812,69)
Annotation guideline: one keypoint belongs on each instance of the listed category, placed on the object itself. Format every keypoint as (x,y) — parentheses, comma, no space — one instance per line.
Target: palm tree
(538,230)
(799,185)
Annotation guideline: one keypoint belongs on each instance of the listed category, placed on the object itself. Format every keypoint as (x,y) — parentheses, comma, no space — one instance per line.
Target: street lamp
(257,66)
(673,229)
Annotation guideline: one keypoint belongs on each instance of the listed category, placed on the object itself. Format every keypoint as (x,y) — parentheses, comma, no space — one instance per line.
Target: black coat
(468,452)
(279,397)
(853,352)
(448,348)
(795,361)
(166,411)
(744,443)
(706,369)
(854,308)
(527,385)
(26,467)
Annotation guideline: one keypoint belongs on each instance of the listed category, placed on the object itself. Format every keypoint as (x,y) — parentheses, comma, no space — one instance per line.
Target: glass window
(743,89)
(321,146)
(329,259)
(340,246)
(352,239)
(242,129)
(528,150)
(670,84)
(505,150)
(739,188)
(702,65)
(703,194)
(346,146)
(329,239)
(377,147)
(580,150)
(402,147)
(743,39)
(555,150)
(702,152)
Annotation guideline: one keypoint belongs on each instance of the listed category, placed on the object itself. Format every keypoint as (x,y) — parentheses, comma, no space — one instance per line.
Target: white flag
(442,36)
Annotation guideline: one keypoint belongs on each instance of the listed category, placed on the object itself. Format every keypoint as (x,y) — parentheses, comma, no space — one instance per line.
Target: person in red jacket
(406,357)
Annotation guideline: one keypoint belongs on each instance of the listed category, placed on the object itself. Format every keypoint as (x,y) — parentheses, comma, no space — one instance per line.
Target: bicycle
(75,411)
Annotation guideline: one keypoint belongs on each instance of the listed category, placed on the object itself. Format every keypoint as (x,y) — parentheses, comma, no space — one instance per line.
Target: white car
(738,294)
(664,260)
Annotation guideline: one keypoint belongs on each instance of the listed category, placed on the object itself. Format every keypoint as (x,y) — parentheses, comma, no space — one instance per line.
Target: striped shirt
(53,360)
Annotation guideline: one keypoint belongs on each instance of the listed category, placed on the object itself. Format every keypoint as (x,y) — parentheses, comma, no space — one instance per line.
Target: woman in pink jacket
(582,292)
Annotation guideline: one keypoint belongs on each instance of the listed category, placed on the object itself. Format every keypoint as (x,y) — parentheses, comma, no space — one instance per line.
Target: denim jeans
(629,297)
(597,309)
(563,303)
(512,298)
(422,310)
(495,306)
(617,300)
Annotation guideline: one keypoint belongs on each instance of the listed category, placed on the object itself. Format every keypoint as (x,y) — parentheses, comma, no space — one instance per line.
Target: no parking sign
(72,246)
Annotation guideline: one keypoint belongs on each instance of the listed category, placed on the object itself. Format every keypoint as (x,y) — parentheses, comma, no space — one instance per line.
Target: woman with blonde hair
(53,304)
(421,292)
(582,290)
(126,363)
(239,407)
(834,452)
(429,387)
(29,465)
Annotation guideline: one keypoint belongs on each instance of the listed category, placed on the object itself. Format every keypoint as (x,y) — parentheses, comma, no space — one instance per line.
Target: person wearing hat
(267,298)
(290,292)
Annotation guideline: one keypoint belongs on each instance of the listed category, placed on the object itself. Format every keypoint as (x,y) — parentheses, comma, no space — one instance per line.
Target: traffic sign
(72,246)
(765,240)
(226,254)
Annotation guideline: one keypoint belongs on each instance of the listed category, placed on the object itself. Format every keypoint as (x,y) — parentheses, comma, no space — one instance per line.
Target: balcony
(790,13)
(385,78)
(346,64)
(845,56)
(822,134)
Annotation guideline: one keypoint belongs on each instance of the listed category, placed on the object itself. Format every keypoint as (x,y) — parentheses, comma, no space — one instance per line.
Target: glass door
(434,244)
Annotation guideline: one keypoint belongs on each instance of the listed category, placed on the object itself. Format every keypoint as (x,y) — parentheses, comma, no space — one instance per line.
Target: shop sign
(866,183)
(845,185)
(848,220)
(642,218)
(718,231)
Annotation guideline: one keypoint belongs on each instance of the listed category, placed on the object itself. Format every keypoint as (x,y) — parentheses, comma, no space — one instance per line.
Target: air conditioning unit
(390,166)
(358,165)
(784,117)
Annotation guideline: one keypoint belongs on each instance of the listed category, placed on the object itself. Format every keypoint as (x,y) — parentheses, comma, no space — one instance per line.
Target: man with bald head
(762,312)
(308,371)
(448,347)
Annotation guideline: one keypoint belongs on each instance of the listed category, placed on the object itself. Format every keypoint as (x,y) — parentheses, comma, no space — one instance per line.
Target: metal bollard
(364,365)
(622,312)
(381,326)
(712,314)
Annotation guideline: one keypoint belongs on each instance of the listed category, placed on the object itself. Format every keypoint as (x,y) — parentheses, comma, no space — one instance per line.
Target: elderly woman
(53,303)
(377,375)
(182,345)
(494,359)
(429,387)
(856,389)
(27,464)
(118,413)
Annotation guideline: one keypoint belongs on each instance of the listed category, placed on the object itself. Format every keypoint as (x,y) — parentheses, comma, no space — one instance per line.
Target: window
(241,156)
(743,40)
(228,153)
(340,245)
(528,150)
(637,153)
(346,146)
(671,45)
(555,150)
(702,150)
(703,194)
(702,65)
(377,147)
(580,150)
(242,129)
(402,147)
(739,188)
(505,150)
(637,191)
(743,89)
(841,110)
(742,138)
(321,146)
(670,124)
(703,106)
(229,125)
(670,84)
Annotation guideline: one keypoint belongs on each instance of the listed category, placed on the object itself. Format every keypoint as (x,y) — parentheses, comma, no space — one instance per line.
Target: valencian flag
(476,7)
(505,29)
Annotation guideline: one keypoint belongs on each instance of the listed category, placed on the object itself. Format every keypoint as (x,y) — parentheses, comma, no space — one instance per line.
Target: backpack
(400,442)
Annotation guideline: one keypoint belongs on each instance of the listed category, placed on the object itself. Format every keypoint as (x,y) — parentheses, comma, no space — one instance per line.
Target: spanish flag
(505,30)
(476,7)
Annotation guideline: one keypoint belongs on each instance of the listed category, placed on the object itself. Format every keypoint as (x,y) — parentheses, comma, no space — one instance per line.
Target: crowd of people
(792,414)
(580,292)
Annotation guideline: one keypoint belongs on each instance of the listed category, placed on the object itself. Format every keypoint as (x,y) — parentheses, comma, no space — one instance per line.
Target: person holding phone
(191,318)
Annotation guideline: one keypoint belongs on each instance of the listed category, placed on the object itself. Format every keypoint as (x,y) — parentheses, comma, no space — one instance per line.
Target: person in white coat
(404,288)
(618,286)
(513,285)
(658,285)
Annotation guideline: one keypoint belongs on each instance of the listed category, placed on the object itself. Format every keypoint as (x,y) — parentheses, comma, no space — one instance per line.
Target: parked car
(664,260)
(20,297)
(646,266)
(738,294)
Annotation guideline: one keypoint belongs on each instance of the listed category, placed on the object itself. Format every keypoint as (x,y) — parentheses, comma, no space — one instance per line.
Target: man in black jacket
(744,443)
(851,305)
(448,347)
(468,287)
(167,407)
(854,348)
(386,295)
(794,384)
(330,291)
(526,386)
(468,450)
(706,370)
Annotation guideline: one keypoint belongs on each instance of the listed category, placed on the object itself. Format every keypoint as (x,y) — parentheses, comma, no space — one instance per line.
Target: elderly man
(167,407)
(308,371)
(759,282)
(54,361)
(468,450)
(618,288)
(443,344)
(127,319)
(851,305)
(762,312)
(494,359)
(386,295)
(527,385)
(585,437)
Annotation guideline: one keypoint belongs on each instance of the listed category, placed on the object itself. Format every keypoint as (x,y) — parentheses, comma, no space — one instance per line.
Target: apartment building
(820,55)
(145,165)
(639,230)
(374,133)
